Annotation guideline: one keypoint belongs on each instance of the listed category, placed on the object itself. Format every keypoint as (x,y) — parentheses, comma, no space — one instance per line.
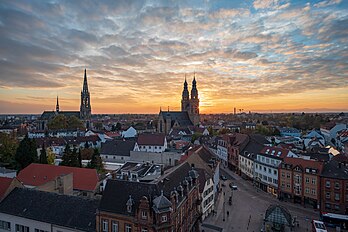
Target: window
(307,180)
(37,230)
(144,230)
(105,225)
(314,181)
(288,175)
(275,172)
(5,225)
(143,214)
(337,207)
(328,206)
(21,228)
(307,190)
(288,185)
(164,218)
(128,228)
(337,196)
(269,171)
(337,185)
(264,169)
(327,184)
(327,195)
(314,192)
(114,226)
(283,174)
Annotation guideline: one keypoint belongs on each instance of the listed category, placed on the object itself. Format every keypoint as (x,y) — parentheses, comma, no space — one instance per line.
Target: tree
(50,156)
(8,147)
(26,153)
(118,126)
(74,123)
(58,122)
(86,145)
(80,158)
(43,155)
(70,158)
(96,161)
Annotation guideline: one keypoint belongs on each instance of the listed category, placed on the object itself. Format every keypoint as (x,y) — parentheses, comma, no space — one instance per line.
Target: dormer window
(143,214)
(164,218)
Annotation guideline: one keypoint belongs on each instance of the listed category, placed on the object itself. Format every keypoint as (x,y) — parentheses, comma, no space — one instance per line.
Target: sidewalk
(249,185)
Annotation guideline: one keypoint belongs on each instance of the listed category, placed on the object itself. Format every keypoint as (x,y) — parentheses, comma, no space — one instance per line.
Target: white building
(266,167)
(330,132)
(129,133)
(221,151)
(151,143)
(206,189)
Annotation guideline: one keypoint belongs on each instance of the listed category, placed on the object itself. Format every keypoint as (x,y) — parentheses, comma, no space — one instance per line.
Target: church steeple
(85,107)
(185,100)
(85,85)
(194,91)
(57,105)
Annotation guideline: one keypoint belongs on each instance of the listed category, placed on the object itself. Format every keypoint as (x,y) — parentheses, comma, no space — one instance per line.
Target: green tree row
(61,122)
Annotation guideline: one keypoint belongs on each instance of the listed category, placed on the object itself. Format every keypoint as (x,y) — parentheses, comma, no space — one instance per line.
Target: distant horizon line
(252,112)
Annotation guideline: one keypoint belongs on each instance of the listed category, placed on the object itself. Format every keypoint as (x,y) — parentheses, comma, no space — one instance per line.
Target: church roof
(70,113)
(46,115)
(181,117)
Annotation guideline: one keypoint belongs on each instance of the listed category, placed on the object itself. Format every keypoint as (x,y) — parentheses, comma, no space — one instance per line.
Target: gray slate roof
(162,204)
(63,210)
(117,192)
(181,117)
(336,170)
(117,147)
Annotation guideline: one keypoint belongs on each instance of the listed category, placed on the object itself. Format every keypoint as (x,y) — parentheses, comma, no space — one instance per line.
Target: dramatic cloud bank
(257,55)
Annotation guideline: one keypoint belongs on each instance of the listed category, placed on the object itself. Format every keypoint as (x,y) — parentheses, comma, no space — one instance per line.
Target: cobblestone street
(248,207)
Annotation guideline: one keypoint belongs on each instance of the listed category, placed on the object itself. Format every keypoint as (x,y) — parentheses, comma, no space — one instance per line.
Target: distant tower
(185,100)
(194,103)
(85,107)
(57,106)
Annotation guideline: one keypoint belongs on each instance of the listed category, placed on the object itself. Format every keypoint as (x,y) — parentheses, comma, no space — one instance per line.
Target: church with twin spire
(189,114)
(84,114)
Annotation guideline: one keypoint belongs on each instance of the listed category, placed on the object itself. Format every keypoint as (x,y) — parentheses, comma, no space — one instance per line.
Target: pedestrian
(228,213)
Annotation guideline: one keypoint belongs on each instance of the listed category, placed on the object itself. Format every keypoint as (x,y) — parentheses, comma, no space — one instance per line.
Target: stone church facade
(189,114)
(84,114)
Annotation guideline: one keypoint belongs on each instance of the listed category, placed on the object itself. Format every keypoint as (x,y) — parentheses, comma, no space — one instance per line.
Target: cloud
(327,3)
(138,52)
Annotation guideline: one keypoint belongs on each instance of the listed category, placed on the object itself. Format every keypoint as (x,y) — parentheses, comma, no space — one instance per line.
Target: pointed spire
(85,84)
(57,105)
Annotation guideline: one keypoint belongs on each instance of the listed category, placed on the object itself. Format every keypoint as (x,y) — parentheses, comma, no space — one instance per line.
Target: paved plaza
(248,207)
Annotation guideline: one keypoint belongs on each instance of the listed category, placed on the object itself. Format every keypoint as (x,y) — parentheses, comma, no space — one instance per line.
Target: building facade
(170,203)
(299,181)
(334,187)
(188,116)
(266,168)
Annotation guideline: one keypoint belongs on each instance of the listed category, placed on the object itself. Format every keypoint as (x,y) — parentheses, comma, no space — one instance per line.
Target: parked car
(233,187)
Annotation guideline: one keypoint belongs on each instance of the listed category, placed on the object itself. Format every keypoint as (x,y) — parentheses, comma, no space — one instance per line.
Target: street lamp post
(223,208)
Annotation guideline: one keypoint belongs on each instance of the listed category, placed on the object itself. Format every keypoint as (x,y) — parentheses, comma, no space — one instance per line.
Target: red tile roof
(151,139)
(39,174)
(5,182)
(304,163)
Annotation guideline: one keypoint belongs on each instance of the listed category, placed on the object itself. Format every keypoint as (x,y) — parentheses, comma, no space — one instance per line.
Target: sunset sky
(262,55)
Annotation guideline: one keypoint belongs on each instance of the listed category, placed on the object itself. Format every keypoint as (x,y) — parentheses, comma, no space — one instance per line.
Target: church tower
(85,107)
(194,103)
(185,100)
(57,106)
